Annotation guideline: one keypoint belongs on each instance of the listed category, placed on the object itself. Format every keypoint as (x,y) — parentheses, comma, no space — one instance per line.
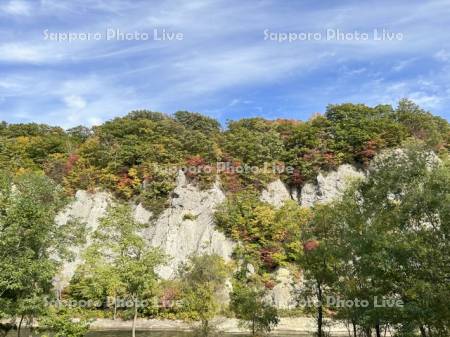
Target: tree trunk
(378,329)
(354,329)
(423,332)
(133,329)
(115,308)
(204,327)
(20,326)
(319,311)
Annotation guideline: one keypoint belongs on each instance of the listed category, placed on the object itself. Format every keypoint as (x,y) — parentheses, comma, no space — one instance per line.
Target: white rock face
(187,226)
(275,193)
(87,208)
(142,215)
(329,186)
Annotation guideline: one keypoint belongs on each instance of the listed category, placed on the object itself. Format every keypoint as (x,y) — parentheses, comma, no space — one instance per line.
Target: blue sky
(225,65)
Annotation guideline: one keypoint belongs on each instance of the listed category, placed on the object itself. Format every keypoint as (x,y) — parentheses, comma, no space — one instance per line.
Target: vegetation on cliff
(136,156)
(387,237)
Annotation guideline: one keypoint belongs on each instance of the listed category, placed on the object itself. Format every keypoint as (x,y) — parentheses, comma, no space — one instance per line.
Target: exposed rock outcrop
(187,226)
(141,214)
(275,193)
(87,208)
(329,186)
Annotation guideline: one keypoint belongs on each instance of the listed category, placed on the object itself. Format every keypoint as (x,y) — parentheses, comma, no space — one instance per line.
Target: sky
(228,59)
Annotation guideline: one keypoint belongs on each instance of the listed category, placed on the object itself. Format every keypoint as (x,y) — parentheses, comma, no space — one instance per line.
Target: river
(122,333)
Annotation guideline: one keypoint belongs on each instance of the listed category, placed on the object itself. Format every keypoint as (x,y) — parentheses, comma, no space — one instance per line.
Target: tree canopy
(131,155)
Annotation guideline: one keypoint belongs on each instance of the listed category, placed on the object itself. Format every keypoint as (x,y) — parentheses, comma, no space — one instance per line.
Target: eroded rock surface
(275,193)
(329,185)
(87,208)
(187,226)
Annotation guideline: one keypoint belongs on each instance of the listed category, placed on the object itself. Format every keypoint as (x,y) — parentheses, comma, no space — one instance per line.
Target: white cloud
(25,53)
(85,100)
(399,66)
(94,121)
(17,7)
(75,102)
(234,102)
(426,100)
(224,51)
(9,85)
(442,55)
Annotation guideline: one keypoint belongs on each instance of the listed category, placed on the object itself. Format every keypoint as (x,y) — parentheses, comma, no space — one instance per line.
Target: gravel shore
(297,325)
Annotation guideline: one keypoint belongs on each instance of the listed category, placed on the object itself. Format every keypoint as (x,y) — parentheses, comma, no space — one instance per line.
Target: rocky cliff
(187,226)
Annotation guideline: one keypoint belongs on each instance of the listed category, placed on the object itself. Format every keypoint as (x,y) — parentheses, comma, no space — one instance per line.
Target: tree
(269,236)
(353,126)
(388,240)
(196,121)
(204,278)
(253,141)
(32,245)
(97,280)
(310,148)
(79,133)
(62,324)
(318,260)
(128,252)
(420,124)
(250,307)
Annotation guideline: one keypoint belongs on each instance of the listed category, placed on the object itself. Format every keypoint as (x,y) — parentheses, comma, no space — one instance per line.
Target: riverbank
(287,325)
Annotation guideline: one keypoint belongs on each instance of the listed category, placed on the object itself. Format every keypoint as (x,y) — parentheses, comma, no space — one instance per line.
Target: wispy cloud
(442,55)
(223,60)
(75,102)
(401,65)
(16,7)
(25,53)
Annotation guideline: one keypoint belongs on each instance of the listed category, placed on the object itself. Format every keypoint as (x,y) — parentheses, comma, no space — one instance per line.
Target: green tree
(204,279)
(79,133)
(198,122)
(253,141)
(32,245)
(310,148)
(62,324)
(269,236)
(318,261)
(97,280)
(354,127)
(250,307)
(389,240)
(420,124)
(130,255)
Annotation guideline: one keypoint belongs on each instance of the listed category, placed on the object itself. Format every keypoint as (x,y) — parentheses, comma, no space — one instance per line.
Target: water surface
(125,333)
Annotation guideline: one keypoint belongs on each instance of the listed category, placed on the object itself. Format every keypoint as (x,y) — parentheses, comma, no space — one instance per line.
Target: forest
(386,240)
